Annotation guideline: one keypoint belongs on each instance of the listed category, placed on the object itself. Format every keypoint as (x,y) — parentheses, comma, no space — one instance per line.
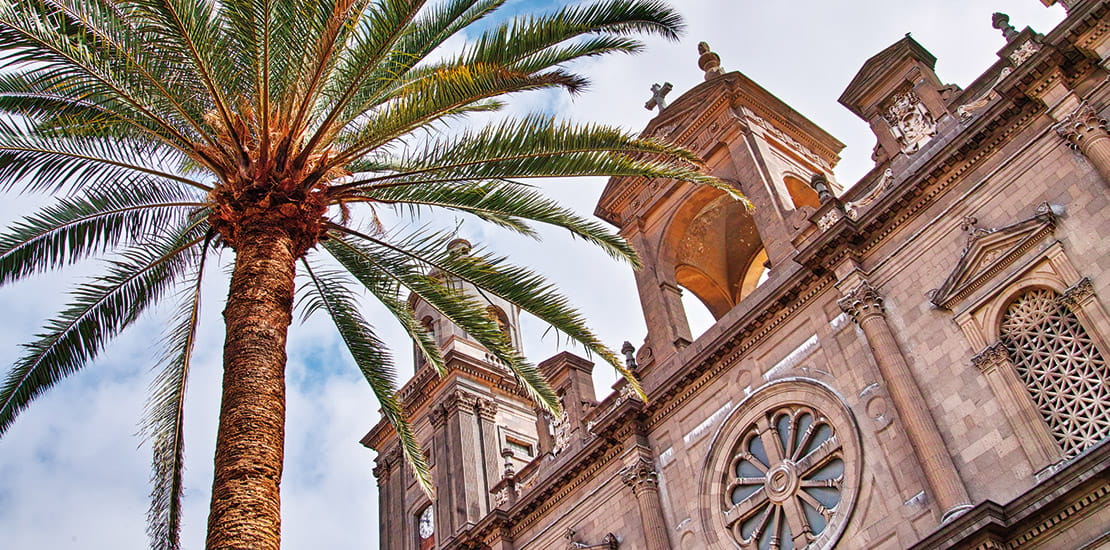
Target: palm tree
(169,129)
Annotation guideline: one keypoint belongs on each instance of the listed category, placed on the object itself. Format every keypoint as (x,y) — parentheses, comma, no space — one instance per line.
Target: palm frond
(387,290)
(101,219)
(164,420)
(534,43)
(536,146)
(70,62)
(100,310)
(411,270)
(427,32)
(506,204)
(332,294)
(47,161)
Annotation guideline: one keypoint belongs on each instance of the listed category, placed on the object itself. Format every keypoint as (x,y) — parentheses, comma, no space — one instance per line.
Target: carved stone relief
(910,121)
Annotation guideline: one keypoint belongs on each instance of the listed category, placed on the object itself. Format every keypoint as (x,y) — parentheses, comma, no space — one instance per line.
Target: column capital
(641,475)
(861,302)
(387,462)
(437,414)
(992,357)
(1074,297)
(1080,125)
(459,400)
(487,409)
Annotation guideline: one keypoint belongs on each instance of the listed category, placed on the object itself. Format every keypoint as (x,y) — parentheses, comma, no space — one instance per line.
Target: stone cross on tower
(657,94)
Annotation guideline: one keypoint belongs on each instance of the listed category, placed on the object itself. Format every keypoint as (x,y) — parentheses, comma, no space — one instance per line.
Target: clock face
(427,523)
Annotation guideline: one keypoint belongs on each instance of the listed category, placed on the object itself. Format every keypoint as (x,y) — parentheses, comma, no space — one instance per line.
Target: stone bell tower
(468,422)
(697,239)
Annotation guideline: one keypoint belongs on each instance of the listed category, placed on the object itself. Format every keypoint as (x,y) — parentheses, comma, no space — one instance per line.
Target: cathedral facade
(917,362)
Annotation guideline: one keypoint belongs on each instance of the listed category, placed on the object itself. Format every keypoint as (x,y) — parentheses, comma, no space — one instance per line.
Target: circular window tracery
(783,470)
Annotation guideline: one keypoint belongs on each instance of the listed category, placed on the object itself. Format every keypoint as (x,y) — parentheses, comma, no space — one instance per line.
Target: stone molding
(989,251)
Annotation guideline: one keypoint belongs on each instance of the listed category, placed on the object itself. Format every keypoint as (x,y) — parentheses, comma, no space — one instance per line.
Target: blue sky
(74,475)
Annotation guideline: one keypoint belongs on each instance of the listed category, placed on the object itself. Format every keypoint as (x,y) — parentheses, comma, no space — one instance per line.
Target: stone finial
(658,93)
(629,352)
(820,184)
(1001,22)
(709,61)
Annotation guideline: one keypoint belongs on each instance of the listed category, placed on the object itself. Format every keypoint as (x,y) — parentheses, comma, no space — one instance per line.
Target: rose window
(786,472)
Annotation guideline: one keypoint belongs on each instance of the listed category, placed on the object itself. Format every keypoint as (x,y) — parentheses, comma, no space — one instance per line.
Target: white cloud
(71,472)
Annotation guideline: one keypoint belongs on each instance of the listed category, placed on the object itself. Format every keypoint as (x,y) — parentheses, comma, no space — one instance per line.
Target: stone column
(644,480)
(441,469)
(1033,434)
(465,466)
(1087,133)
(490,441)
(390,498)
(864,304)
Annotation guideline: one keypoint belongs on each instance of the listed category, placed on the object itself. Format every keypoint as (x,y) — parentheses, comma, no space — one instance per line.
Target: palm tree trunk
(246,506)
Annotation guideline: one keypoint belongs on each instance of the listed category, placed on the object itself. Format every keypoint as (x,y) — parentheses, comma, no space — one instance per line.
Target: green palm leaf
(100,219)
(409,263)
(100,310)
(164,423)
(506,204)
(330,293)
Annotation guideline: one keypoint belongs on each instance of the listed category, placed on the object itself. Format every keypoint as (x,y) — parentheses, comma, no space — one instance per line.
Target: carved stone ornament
(910,121)
(989,251)
(784,466)
(861,302)
(487,408)
(709,61)
(786,139)
(560,428)
(993,356)
(881,186)
(967,111)
(829,219)
(641,475)
(1078,124)
(1078,293)
(1023,53)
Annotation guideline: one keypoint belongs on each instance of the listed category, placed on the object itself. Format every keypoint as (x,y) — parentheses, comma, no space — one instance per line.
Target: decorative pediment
(989,251)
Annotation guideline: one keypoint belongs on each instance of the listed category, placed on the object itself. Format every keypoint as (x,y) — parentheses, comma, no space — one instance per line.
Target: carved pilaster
(437,415)
(644,481)
(1032,433)
(1076,295)
(862,302)
(487,409)
(460,401)
(1080,124)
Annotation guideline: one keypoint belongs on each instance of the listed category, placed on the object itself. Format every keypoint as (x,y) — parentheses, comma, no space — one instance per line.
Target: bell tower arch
(697,239)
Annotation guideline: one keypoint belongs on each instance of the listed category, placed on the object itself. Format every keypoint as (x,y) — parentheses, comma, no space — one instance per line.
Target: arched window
(1064,372)
(497,315)
(801,193)
(429,325)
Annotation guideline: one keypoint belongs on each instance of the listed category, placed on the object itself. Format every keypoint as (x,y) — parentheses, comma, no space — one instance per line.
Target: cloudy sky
(74,475)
